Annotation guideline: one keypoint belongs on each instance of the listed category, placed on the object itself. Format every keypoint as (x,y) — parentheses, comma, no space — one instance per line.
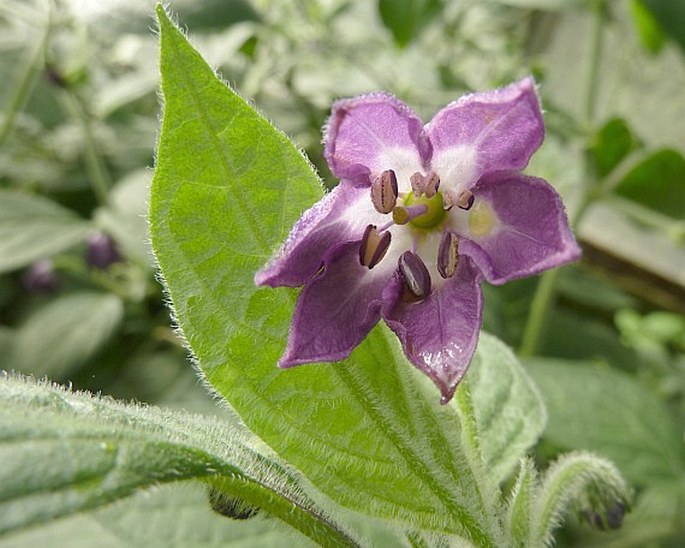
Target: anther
(373,247)
(432,184)
(416,278)
(465,199)
(384,191)
(448,255)
(425,184)
(401,215)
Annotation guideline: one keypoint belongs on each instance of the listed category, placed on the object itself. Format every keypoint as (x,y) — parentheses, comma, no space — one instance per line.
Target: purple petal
(483,132)
(341,216)
(369,134)
(517,227)
(440,333)
(336,309)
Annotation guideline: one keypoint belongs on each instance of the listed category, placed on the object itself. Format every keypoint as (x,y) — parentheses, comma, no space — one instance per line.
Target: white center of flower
(424,212)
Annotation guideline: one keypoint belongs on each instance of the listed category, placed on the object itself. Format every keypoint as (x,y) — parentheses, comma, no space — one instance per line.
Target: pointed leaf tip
(161,12)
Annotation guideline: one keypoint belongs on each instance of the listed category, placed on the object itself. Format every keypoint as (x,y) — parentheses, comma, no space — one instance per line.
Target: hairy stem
(97,171)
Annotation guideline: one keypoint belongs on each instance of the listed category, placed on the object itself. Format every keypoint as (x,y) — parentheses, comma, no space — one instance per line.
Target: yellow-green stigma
(435,210)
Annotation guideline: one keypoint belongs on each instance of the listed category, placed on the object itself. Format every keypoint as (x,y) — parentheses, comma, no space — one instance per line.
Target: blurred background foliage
(79,301)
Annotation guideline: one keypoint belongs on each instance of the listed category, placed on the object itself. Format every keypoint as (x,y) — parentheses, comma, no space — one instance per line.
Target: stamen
(465,199)
(417,184)
(447,200)
(416,278)
(373,247)
(448,255)
(432,184)
(404,214)
(425,184)
(384,191)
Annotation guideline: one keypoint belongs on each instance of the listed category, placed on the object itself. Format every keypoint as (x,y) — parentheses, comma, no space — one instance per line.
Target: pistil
(434,213)
(402,215)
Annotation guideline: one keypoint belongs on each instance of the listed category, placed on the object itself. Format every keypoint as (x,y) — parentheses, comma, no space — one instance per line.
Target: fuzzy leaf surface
(65,452)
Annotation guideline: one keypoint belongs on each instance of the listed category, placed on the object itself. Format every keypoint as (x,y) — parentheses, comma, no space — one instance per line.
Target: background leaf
(611,145)
(65,333)
(671,17)
(657,182)
(68,452)
(33,228)
(647,27)
(604,410)
(406,18)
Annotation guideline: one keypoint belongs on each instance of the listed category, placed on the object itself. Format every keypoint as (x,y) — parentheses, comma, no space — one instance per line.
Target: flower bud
(101,251)
(40,277)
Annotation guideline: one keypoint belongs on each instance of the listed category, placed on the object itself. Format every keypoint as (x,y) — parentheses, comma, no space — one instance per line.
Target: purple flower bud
(102,251)
(40,277)
(615,514)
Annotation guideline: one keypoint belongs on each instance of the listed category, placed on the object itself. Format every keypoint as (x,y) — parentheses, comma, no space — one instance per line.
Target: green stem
(594,62)
(98,173)
(545,294)
(539,310)
(25,83)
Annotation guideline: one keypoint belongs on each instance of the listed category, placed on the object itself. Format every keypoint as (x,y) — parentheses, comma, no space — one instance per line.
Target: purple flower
(422,214)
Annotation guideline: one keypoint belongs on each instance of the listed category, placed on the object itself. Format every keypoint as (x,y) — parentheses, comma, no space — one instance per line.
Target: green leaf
(613,143)
(670,15)
(64,334)
(510,412)
(33,228)
(648,29)
(521,502)
(369,432)
(658,182)
(68,452)
(604,410)
(169,515)
(406,18)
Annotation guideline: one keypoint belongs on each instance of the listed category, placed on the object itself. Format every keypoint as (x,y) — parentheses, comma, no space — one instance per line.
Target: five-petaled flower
(422,214)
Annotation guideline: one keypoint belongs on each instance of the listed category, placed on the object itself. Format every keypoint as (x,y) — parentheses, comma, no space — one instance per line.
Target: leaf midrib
(415,463)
